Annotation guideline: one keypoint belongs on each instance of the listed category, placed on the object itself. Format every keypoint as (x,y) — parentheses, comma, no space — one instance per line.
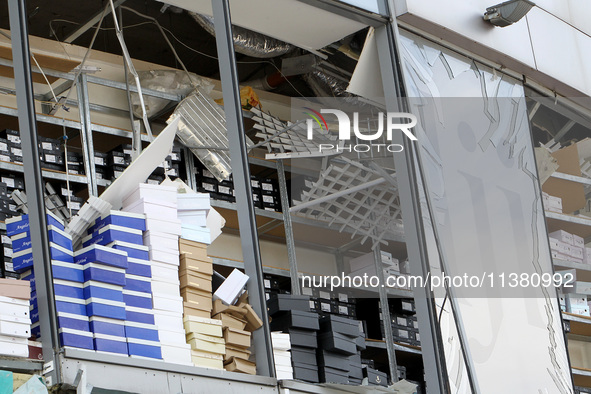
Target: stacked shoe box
(375,377)
(7,268)
(205,336)
(15,322)
(68,280)
(122,233)
(340,341)
(192,212)
(159,204)
(282,355)
(291,314)
(195,274)
(5,202)
(231,317)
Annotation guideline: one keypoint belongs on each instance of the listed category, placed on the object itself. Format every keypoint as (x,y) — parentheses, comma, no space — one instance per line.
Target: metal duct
(248,42)
(324,85)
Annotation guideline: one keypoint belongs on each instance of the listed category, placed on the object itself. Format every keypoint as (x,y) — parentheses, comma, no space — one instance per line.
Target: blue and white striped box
(67,271)
(110,344)
(59,253)
(73,321)
(138,283)
(149,332)
(143,348)
(137,299)
(23,260)
(20,242)
(59,237)
(107,326)
(139,267)
(34,314)
(105,291)
(134,251)
(105,308)
(111,233)
(20,224)
(33,301)
(68,288)
(139,315)
(101,254)
(125,219)
(70,305)
(76,338)
(102,273)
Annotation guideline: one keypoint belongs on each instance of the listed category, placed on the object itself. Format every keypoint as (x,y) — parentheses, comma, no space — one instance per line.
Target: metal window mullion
(35,191)
(241,174)
(86,134)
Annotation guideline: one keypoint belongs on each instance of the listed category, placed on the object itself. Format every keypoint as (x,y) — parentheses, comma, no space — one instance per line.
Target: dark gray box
(288,302)
(331,375)
(375,377)
(303,355)
(303,338)
(333,360)
(295,319)
(336,342)
(341,325)
(307,373)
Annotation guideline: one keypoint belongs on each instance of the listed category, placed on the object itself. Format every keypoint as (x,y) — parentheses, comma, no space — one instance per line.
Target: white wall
(551,45)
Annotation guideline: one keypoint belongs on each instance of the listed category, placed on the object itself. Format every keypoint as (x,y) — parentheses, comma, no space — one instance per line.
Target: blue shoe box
(23,260)
(33,300)
(139,267)
(70,305)
(34,314)
(148,332)
(111,233)
(110,344)
(67,271)
(101,254)
(139,315)
(30,276)
(36,330)
(107,326)
(73,321)
(134,251)
(20,224)
(105,291)
(125,219)
(102,273)
(143,348)
(137,299)
(60,253)
(20,242)
(138,283)
(105,308)
(59,237)
(68,289)
(76,338)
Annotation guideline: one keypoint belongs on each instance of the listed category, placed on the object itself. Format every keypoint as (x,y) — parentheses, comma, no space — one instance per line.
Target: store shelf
(581,377)
(578,225)
(20,364)
(583,270)
(376,344)
(579,325)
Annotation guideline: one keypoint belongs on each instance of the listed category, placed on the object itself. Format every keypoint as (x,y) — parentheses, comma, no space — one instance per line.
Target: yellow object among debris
(248,98)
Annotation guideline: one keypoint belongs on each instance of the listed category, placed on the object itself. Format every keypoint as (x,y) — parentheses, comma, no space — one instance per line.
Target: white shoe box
(14,346)
(15,326)
(167,287)
(168,257)
(163,271)
(161,241)
(169,226)
(151,193)
(153,209)
(167,303)
(172,338)
(177,354)
(14,307)
(168,321)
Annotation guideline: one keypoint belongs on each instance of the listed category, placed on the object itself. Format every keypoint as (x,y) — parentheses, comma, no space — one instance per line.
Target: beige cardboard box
(206,343)
(212,327)
(238,365)
(236,352)
(197,299)
(219,307)
(207,360)
(253,321)
(198,266)
(196,280)
(236,338)
(229,320)
(190,311)
(20,289)
(195,250)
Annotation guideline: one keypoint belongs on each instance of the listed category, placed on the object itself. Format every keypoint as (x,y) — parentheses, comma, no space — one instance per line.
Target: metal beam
(431,340)
(565,129)
(90,23)
(241,172)
(34,181)
(349,11)
(289,237)
(86,134)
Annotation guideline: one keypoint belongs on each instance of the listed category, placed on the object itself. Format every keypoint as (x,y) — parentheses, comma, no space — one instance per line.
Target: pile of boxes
(570,247)
(205,336)
(15,322)
(282,355)
(119,158)
(7,207)
(291,314)
(162,230)
(365,265)
(6,266)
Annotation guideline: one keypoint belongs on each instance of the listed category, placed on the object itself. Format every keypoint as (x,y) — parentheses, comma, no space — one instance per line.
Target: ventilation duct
(246,41)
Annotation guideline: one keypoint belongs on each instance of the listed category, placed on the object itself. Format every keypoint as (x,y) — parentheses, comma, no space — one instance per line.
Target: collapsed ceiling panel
(292,21)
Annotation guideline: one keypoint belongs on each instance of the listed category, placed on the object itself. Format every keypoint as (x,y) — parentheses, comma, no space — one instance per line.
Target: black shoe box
(375,377)
(4,148)
(74,159)
(76,169)
(360,343)
(303,338)
(52,167)
(307,373)
(155,179)
(287,302)
(117,171)
(283,321)
(341,325)
(101,172)
(13,181)
(11,135)
(117,158)
(52,157)
(101,159)
(332,360)
(331,375)
(337,343)
(303,355)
